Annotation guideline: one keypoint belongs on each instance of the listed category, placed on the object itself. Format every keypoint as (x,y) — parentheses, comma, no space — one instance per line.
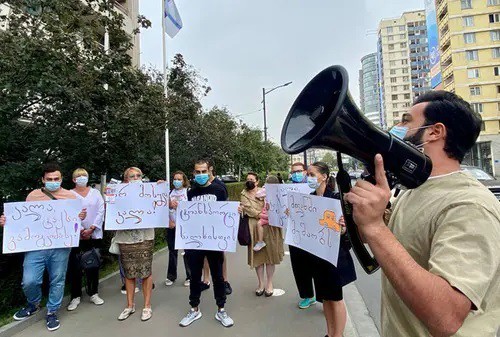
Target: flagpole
(165,67)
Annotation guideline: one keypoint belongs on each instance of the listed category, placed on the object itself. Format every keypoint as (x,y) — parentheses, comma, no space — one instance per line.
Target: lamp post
(264,93)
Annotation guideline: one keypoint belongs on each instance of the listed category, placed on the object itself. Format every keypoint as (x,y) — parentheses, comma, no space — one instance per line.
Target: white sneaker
(96,299)
(224,318)
(191,316)
(136,290)
(126,313)
(74,304)
(259,245)
(187,283)
(146,314)
(168,282)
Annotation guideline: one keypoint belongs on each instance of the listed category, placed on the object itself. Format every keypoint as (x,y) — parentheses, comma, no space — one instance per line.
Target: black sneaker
(227,288)
(52,322)
(204,286)
(123,290)
(26,312)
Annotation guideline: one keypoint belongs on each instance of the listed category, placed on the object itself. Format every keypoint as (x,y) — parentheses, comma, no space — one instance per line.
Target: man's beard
(416,139)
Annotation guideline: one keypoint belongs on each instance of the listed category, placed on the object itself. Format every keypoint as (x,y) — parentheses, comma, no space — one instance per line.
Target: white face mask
(82,181)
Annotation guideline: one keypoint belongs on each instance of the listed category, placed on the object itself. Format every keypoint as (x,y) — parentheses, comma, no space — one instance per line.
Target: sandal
(269,293)
(259,292)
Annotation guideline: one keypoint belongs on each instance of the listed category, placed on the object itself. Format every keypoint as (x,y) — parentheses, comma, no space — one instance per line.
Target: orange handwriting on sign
(330,221)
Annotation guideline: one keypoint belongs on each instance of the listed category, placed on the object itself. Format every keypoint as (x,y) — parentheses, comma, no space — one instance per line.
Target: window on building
(470,37)
(405,70)
(390,38)
(483,128)
(406,79)
(466,4)
(393,71)
(394,88)
(498,89)
(496,52)
(391,47)
(402,36)
(496,71)
(393,80)
(403,62)
(494,17)
(406,87)
(402,28)
(472,55)
(394,97)
(493,2)
(394,105)
(475,91)
(404,53)
(389,30)
(407,96)
(495,35)
(468,21)
(392,63)
(473,73)
(395,114)
(402,45)
(477,107)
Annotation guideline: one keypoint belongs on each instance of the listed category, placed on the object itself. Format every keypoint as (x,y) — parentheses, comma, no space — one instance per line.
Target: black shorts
(327,281)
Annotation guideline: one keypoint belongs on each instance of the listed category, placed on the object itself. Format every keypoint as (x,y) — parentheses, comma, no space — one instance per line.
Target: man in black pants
(298,257)
(203,190)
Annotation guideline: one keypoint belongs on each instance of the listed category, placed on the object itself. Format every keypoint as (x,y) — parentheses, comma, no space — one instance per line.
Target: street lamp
(264,93)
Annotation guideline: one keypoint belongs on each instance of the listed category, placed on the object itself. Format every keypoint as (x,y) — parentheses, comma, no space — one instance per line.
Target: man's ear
(438,131)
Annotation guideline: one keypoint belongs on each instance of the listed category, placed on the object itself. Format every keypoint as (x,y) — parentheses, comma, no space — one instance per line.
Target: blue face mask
(399,131)
(297,177)
(177,184)
(201,179)
(52,186)
(313,182)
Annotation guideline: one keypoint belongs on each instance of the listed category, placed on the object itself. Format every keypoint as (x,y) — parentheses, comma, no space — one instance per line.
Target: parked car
(229,179)
(487,180)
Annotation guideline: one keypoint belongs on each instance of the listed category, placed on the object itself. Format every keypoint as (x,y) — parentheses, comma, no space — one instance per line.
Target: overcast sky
(242,46)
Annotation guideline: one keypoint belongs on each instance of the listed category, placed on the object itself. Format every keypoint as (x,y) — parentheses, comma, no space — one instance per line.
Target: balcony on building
(122,6)
(442,10)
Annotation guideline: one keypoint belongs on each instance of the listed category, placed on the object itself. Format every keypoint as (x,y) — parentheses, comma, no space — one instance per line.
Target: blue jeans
(35,263)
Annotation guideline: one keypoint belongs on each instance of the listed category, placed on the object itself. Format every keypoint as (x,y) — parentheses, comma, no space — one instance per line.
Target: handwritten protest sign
(207,225)
(38,225)
(136,206)
(314,226)
(276,198)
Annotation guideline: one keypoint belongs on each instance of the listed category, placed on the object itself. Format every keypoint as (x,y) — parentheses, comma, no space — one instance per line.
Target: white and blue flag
(173,21)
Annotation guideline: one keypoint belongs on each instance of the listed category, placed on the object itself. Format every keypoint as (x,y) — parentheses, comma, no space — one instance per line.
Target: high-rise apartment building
(404,63)
(369,89)
(469,43)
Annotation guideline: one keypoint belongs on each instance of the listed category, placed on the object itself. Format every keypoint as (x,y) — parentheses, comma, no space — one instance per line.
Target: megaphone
(325,116)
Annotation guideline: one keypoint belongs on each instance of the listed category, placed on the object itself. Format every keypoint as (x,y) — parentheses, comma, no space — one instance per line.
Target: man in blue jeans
(54,260)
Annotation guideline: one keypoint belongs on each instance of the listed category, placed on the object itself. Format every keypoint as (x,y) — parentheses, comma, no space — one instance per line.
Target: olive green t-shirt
(450,225)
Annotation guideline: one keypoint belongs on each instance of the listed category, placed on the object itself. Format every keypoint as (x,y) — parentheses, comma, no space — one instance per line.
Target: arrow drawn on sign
(199,243)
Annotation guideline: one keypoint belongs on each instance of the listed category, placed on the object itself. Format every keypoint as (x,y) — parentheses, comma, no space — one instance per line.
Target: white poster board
(207,225)
(38,225)
(276,197)
(314,226)
(136,206)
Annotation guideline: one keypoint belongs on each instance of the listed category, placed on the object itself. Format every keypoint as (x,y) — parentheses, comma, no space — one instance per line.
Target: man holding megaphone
(440,253)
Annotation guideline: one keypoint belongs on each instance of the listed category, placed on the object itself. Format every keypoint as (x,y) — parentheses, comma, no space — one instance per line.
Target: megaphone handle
(368,263)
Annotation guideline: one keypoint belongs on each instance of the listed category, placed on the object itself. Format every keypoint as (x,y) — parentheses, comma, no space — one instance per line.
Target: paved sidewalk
(253,316)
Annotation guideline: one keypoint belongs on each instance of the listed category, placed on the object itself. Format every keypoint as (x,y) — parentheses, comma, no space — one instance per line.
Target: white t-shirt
(94,203)
(177,195)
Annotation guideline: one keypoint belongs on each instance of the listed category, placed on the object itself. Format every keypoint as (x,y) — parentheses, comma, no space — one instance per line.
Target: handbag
(91,259)
(244,231)
(114,248)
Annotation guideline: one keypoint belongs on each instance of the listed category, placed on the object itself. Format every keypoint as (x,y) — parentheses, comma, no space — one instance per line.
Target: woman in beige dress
(136,255)
(264,260)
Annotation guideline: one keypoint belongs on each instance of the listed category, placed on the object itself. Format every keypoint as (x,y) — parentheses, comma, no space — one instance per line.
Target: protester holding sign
(272,254)
(203,190)
(54,260)
(90,240)
(136,256)
(179,193)
(328,279)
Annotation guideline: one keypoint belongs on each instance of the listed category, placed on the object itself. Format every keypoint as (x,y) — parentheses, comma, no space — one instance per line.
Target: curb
(358,312)
(16,327)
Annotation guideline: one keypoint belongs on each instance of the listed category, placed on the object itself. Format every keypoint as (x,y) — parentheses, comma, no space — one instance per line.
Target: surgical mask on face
(82,181)
(297,177)
(52,186)
(313,182)
(416,139)
(177,184)
(201,179)
(135,181)
(250,185)
(399,131)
